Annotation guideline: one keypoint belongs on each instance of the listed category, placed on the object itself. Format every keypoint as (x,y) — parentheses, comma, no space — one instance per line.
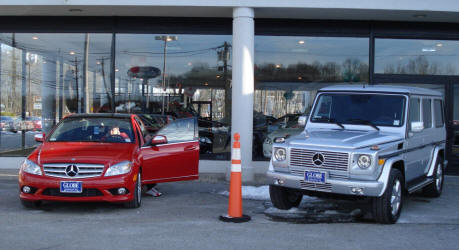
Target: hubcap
(396,197)
(439,178)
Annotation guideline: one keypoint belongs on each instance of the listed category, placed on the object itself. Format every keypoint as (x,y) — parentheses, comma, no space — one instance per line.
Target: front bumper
(337,186)
(94,189)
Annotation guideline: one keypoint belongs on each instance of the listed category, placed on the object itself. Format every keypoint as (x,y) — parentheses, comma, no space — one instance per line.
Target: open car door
(177,157)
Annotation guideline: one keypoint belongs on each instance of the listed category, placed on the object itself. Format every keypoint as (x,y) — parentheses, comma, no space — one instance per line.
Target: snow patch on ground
(252,193)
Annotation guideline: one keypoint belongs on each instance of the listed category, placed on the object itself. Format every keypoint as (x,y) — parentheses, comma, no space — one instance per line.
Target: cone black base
(226,218)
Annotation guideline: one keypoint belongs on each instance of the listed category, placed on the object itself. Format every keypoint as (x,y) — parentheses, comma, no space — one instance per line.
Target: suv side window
(427,113)
(414,112)
(438,108)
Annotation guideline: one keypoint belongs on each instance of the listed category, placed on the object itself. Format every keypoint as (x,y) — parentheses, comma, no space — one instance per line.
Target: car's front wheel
(137,200)
(387,207)
(284,198)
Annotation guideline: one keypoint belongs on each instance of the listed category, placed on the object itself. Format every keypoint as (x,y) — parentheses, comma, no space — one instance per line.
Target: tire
(284,198)
(386,209)
(435,188)
(137,200)
(30,204)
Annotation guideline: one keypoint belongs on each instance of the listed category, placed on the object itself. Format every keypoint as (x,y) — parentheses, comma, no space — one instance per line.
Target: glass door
(454,131)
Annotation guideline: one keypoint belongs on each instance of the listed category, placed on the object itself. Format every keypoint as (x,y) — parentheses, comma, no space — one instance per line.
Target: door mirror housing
(158,139)
(39,137)
(417,126)
(302,120)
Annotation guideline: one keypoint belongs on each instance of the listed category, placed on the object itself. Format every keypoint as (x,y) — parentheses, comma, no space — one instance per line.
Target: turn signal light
(381,162)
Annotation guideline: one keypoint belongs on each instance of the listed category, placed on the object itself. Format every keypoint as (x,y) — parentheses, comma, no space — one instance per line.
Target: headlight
(30,167)
(280,154)
(268,141)
(364,161)
(119,168)
(205,140)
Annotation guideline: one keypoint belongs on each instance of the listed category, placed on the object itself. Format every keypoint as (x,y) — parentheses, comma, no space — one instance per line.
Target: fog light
(356,190)
(279,182)
(121,191)
(26,189)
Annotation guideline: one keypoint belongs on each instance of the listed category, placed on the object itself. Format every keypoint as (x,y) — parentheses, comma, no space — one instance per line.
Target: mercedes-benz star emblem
(318,159)
(71,170)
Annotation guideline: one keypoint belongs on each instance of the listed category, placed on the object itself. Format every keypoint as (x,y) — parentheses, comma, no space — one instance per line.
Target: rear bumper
(47,188)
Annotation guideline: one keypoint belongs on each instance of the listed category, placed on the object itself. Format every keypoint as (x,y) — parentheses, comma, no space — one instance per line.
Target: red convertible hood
(85,152)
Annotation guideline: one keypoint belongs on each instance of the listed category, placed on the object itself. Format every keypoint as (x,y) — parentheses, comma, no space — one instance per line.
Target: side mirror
(417,126)
(302,120)
(159,139)
(39,137)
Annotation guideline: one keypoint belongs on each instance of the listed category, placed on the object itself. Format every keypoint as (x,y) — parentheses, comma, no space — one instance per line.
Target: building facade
(250,67)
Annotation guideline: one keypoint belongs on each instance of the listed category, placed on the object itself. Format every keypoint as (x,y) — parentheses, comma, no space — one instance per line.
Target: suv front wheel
(284,198)
(386,208)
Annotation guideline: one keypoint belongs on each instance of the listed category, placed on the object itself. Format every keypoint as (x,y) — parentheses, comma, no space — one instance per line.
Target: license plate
(315,176)
(71,186)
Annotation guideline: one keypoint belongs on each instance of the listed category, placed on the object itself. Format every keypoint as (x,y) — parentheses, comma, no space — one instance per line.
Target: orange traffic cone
(235,194)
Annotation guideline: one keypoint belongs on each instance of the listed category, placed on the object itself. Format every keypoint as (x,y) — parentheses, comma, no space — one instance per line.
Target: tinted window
(427,112)
(382,110)
(179,130)
(93,129)
(438,108)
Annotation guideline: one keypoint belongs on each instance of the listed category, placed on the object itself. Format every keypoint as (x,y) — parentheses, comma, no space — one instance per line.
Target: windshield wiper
(332,120)
(363,122)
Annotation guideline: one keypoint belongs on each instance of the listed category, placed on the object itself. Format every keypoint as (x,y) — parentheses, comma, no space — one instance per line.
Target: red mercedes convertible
(107,157)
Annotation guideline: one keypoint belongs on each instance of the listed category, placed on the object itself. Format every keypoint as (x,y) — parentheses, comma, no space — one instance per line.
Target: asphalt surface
(186,217)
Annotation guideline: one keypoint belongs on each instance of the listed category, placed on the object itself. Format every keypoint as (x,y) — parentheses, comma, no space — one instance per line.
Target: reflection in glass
(417,57)
(288,73)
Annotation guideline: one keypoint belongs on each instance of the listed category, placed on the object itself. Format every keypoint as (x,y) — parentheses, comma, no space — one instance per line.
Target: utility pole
(224,57)
(85,106)
(77,86)
(165,39)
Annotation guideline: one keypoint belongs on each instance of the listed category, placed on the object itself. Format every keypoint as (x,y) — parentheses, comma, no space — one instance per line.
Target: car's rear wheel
(30,204)
(435,188)
(386,208)
(284,198)
(137,200)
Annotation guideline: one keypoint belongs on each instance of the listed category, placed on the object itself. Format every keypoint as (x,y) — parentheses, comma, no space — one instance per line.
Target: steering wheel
(113,138)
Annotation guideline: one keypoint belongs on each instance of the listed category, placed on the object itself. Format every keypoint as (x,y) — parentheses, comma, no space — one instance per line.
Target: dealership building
(239,66)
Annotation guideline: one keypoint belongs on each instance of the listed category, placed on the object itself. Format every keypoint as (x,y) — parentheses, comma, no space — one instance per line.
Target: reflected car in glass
(107,157)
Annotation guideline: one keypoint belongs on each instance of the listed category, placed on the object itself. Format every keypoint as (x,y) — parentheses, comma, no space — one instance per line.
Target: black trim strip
(411,149)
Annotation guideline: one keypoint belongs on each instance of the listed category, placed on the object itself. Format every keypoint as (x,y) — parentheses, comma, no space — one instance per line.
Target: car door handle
(190,148)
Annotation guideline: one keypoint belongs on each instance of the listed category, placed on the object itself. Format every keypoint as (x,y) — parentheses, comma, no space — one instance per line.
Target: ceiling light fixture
(439,45)
(419,15)
(301,42)
(35,38)
(116,70)
(278,65)
(72,53)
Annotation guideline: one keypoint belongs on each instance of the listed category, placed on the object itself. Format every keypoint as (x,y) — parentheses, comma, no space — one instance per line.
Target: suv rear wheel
(386,208)
(434,189)
(284,198)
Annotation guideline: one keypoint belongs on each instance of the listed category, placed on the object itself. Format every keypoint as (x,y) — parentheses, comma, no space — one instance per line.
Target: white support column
(243,85)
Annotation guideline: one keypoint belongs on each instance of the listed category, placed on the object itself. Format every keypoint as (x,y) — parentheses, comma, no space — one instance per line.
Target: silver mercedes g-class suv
(377,141)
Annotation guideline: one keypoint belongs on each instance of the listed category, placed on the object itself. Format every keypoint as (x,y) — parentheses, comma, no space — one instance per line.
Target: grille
(84,170)
(333,160)
(327,187)
(87,192)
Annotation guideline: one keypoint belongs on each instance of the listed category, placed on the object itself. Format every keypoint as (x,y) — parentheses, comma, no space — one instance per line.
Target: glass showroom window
(288,72)
(181,76)
(47,76)
(416,57)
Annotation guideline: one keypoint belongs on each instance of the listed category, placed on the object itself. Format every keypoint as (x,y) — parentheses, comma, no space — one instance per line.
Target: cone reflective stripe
(235,195)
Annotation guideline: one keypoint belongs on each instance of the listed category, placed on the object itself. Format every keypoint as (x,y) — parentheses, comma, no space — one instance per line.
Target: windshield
(367,109)
(93,129)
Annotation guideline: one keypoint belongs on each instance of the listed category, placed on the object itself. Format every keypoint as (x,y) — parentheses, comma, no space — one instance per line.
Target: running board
(420,185)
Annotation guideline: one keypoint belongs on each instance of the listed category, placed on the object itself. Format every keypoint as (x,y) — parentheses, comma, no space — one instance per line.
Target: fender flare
(434,159)
(384,176)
